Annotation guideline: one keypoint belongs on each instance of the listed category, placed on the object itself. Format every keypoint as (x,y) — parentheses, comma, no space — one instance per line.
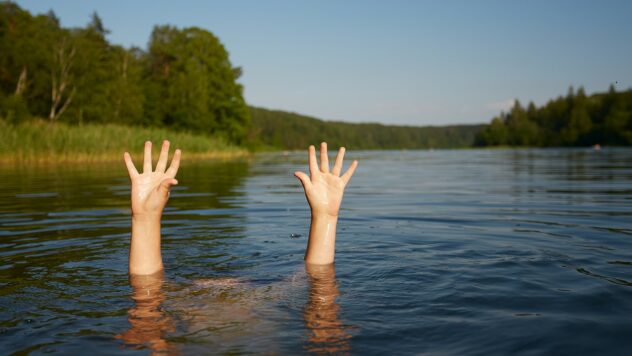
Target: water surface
(477,252)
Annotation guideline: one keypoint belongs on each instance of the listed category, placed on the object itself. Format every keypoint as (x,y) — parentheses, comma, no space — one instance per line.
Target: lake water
(447,251)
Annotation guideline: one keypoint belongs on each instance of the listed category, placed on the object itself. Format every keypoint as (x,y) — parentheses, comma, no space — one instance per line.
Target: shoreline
(78,158)
(40,142)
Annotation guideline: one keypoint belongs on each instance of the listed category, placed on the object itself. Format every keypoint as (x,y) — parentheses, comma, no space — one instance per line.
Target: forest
(183,80)
(572,120)
(280,129)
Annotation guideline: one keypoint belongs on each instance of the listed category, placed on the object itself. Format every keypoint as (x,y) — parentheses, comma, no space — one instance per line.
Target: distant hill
(286,130)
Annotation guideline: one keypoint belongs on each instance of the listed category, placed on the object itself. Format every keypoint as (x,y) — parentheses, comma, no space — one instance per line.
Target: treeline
(573,120)
(184,79)
(280,129)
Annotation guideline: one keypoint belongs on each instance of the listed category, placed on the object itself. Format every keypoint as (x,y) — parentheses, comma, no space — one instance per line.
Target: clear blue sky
(407,62)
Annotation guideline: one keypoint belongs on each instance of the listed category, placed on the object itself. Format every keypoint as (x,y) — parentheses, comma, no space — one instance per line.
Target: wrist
(324,216)
(146,218)
(323,227)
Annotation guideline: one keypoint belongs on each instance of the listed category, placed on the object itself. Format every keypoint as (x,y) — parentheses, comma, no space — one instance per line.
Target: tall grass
(40,141)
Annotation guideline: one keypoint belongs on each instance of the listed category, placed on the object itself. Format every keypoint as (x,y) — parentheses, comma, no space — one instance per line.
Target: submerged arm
(327,334)
(149,324)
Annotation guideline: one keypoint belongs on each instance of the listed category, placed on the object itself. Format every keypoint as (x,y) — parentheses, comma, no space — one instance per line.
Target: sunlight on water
(462,251)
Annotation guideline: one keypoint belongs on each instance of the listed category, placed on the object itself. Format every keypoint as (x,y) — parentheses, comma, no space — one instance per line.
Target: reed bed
(43,142)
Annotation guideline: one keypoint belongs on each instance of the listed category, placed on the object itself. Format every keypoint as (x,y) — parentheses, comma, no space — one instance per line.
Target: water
(477,252)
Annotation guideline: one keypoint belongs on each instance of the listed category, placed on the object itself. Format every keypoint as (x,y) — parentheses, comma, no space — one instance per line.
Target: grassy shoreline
(41,142)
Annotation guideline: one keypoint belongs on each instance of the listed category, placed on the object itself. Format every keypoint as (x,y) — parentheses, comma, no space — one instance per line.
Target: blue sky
(401,61)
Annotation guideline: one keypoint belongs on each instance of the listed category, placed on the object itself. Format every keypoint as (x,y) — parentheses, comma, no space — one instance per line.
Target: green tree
(94,74)
(579,124)
(192,84)
(25,57)
(522,131)
(126,90)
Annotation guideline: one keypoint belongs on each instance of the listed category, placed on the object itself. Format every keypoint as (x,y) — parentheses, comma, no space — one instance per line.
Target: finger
(175,164)
(347,176)
(164,156)
(165,186)
(313,165)
(338,165)
(131,169)
(147,160)
(324,160)
(304,178)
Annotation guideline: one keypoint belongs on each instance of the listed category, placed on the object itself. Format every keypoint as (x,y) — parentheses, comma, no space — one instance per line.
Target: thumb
(166,184)
(304,178)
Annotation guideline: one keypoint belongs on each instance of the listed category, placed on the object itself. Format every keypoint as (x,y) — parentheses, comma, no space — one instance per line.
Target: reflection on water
(228,311)
(448,252)
(327,333)
(149,324)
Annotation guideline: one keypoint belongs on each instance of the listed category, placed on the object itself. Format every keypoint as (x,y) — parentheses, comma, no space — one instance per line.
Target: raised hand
(323,188)
(150,190)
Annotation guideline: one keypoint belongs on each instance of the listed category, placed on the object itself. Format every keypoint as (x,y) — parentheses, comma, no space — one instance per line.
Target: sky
(409,62)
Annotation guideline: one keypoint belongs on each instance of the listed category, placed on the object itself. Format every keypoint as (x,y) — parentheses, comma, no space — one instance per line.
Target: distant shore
(41,142)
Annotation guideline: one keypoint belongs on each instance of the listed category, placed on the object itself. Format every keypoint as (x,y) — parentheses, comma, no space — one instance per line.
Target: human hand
(324,189)
(150,190)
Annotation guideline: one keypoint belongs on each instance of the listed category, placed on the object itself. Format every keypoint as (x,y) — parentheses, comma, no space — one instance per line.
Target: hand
(150,190)
(324,189)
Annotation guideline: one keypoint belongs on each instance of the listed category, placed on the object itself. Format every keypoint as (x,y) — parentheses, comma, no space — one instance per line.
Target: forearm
(144,256)
(321,246)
